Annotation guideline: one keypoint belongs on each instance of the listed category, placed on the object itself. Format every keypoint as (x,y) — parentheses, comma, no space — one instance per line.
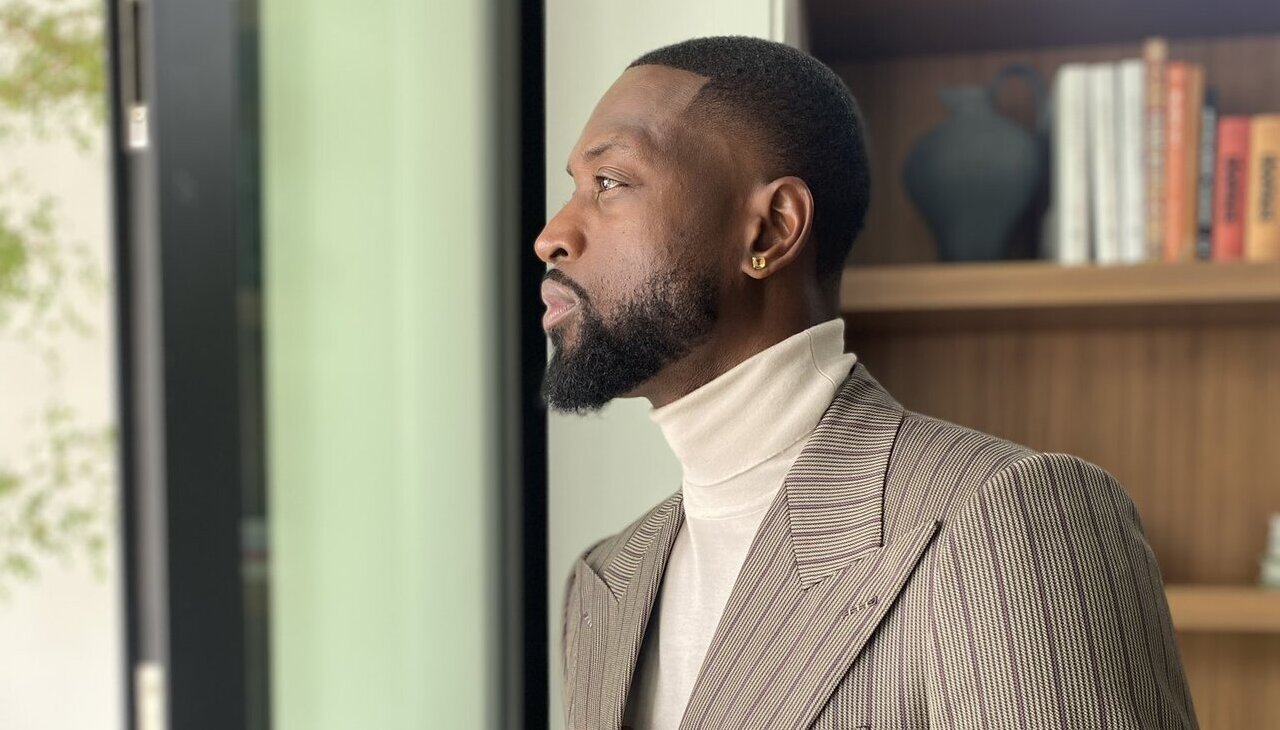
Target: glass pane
(379,324)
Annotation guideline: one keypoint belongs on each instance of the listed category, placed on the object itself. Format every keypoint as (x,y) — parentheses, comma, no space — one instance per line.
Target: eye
(605,184)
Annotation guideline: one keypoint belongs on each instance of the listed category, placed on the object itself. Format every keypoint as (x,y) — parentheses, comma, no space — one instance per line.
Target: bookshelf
(1042,293)
(841,30)
(1167,375)
(1234,609)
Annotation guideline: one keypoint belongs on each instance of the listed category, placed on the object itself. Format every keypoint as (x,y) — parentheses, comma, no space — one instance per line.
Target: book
(1174,167)
(1183,99)
(1131,150)
(1204,192)
(1194,101)
(1262,214)
(1067,238)
(1155,54)
(1230,188)
(1101,136)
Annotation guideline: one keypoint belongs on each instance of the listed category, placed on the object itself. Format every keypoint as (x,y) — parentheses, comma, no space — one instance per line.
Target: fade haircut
(802,119)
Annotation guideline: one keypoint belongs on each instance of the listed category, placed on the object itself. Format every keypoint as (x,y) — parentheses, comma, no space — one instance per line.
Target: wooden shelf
(841,30)
(1034,292)
(1240,609)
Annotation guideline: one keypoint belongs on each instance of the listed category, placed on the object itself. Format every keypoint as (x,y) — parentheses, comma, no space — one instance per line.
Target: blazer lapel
(616,602)
(818,577)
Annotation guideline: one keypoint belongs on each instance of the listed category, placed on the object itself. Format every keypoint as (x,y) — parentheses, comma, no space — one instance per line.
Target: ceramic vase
(973,176)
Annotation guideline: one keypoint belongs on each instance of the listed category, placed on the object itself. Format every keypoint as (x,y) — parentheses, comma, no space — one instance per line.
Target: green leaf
(9,483)
(20,565)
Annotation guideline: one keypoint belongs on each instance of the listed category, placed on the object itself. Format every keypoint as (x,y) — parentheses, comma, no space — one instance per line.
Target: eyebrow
(613,143)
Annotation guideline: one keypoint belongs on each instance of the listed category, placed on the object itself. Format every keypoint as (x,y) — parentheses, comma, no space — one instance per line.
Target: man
(831,560)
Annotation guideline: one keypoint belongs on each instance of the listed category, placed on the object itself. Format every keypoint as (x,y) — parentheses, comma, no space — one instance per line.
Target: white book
(1067,238)
(1132,173)
(1103,165)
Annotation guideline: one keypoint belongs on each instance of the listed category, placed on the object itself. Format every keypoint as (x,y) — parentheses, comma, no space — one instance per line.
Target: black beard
(667,318)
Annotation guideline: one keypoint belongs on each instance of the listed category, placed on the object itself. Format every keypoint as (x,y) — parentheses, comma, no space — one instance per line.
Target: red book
(1230,188)
(1177,80)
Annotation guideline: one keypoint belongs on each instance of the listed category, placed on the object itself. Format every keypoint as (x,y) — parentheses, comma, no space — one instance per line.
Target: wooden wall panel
(1187,418)
(1234,678)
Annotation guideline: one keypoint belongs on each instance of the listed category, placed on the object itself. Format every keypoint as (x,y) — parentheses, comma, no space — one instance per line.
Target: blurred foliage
(59,506)
(51,68)
(56,499)
(40,275)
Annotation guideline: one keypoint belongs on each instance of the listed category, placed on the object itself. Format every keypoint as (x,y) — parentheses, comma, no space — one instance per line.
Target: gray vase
(973,176)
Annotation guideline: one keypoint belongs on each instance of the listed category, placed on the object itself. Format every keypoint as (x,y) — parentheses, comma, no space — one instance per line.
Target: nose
(561,239)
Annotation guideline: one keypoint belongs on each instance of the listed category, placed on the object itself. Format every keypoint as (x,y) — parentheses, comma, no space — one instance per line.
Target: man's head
(702,155)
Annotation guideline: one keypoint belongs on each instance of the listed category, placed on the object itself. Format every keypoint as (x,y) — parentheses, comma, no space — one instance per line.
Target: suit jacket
(911,573)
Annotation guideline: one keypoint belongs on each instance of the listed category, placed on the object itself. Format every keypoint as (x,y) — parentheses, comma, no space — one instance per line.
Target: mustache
(563,279)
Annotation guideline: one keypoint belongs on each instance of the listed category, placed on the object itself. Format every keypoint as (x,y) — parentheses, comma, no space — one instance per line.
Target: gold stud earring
(758,263)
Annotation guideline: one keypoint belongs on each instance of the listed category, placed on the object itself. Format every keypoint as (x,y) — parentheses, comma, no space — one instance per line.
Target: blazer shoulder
(937,465)
(962,463)
(1070,477)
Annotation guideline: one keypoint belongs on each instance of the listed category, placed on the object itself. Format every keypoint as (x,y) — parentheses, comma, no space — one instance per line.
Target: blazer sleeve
(568,628)
(1047,610)
(570,624)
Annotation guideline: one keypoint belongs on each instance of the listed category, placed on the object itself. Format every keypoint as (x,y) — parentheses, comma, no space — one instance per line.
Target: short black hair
(804,118)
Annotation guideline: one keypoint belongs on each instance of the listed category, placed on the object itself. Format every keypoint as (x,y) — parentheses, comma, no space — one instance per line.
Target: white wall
(607,470)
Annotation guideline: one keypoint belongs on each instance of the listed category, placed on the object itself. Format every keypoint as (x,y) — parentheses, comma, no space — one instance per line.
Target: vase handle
(1032,77)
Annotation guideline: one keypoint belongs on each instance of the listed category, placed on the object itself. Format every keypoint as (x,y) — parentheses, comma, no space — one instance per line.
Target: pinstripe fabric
(911,573)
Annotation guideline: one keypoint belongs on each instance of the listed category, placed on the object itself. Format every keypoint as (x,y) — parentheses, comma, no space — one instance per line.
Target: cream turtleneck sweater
(736,438)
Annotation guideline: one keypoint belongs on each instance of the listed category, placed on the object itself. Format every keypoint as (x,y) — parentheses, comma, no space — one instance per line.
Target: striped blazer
(911,573)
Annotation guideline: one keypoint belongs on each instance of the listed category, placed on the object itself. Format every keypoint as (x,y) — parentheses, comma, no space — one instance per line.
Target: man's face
(639,248)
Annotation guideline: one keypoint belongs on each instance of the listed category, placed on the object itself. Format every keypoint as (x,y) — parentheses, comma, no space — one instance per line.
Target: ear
(781,219)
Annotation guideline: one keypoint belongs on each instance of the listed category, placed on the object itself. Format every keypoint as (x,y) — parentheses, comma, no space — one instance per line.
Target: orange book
(1176,202)
(1230,186)
(1155,54)
(1194,100)
(1262,218)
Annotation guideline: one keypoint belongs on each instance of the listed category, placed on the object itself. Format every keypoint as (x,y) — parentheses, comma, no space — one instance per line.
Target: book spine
(1204,197)
(1155,53)
(1230,188)
(1175,168)
(1194,100)
(1070,233)
(1102,162)
(1262,219)
(1132,151)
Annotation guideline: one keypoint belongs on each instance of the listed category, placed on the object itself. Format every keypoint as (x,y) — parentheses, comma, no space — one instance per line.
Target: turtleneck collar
(759,409)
